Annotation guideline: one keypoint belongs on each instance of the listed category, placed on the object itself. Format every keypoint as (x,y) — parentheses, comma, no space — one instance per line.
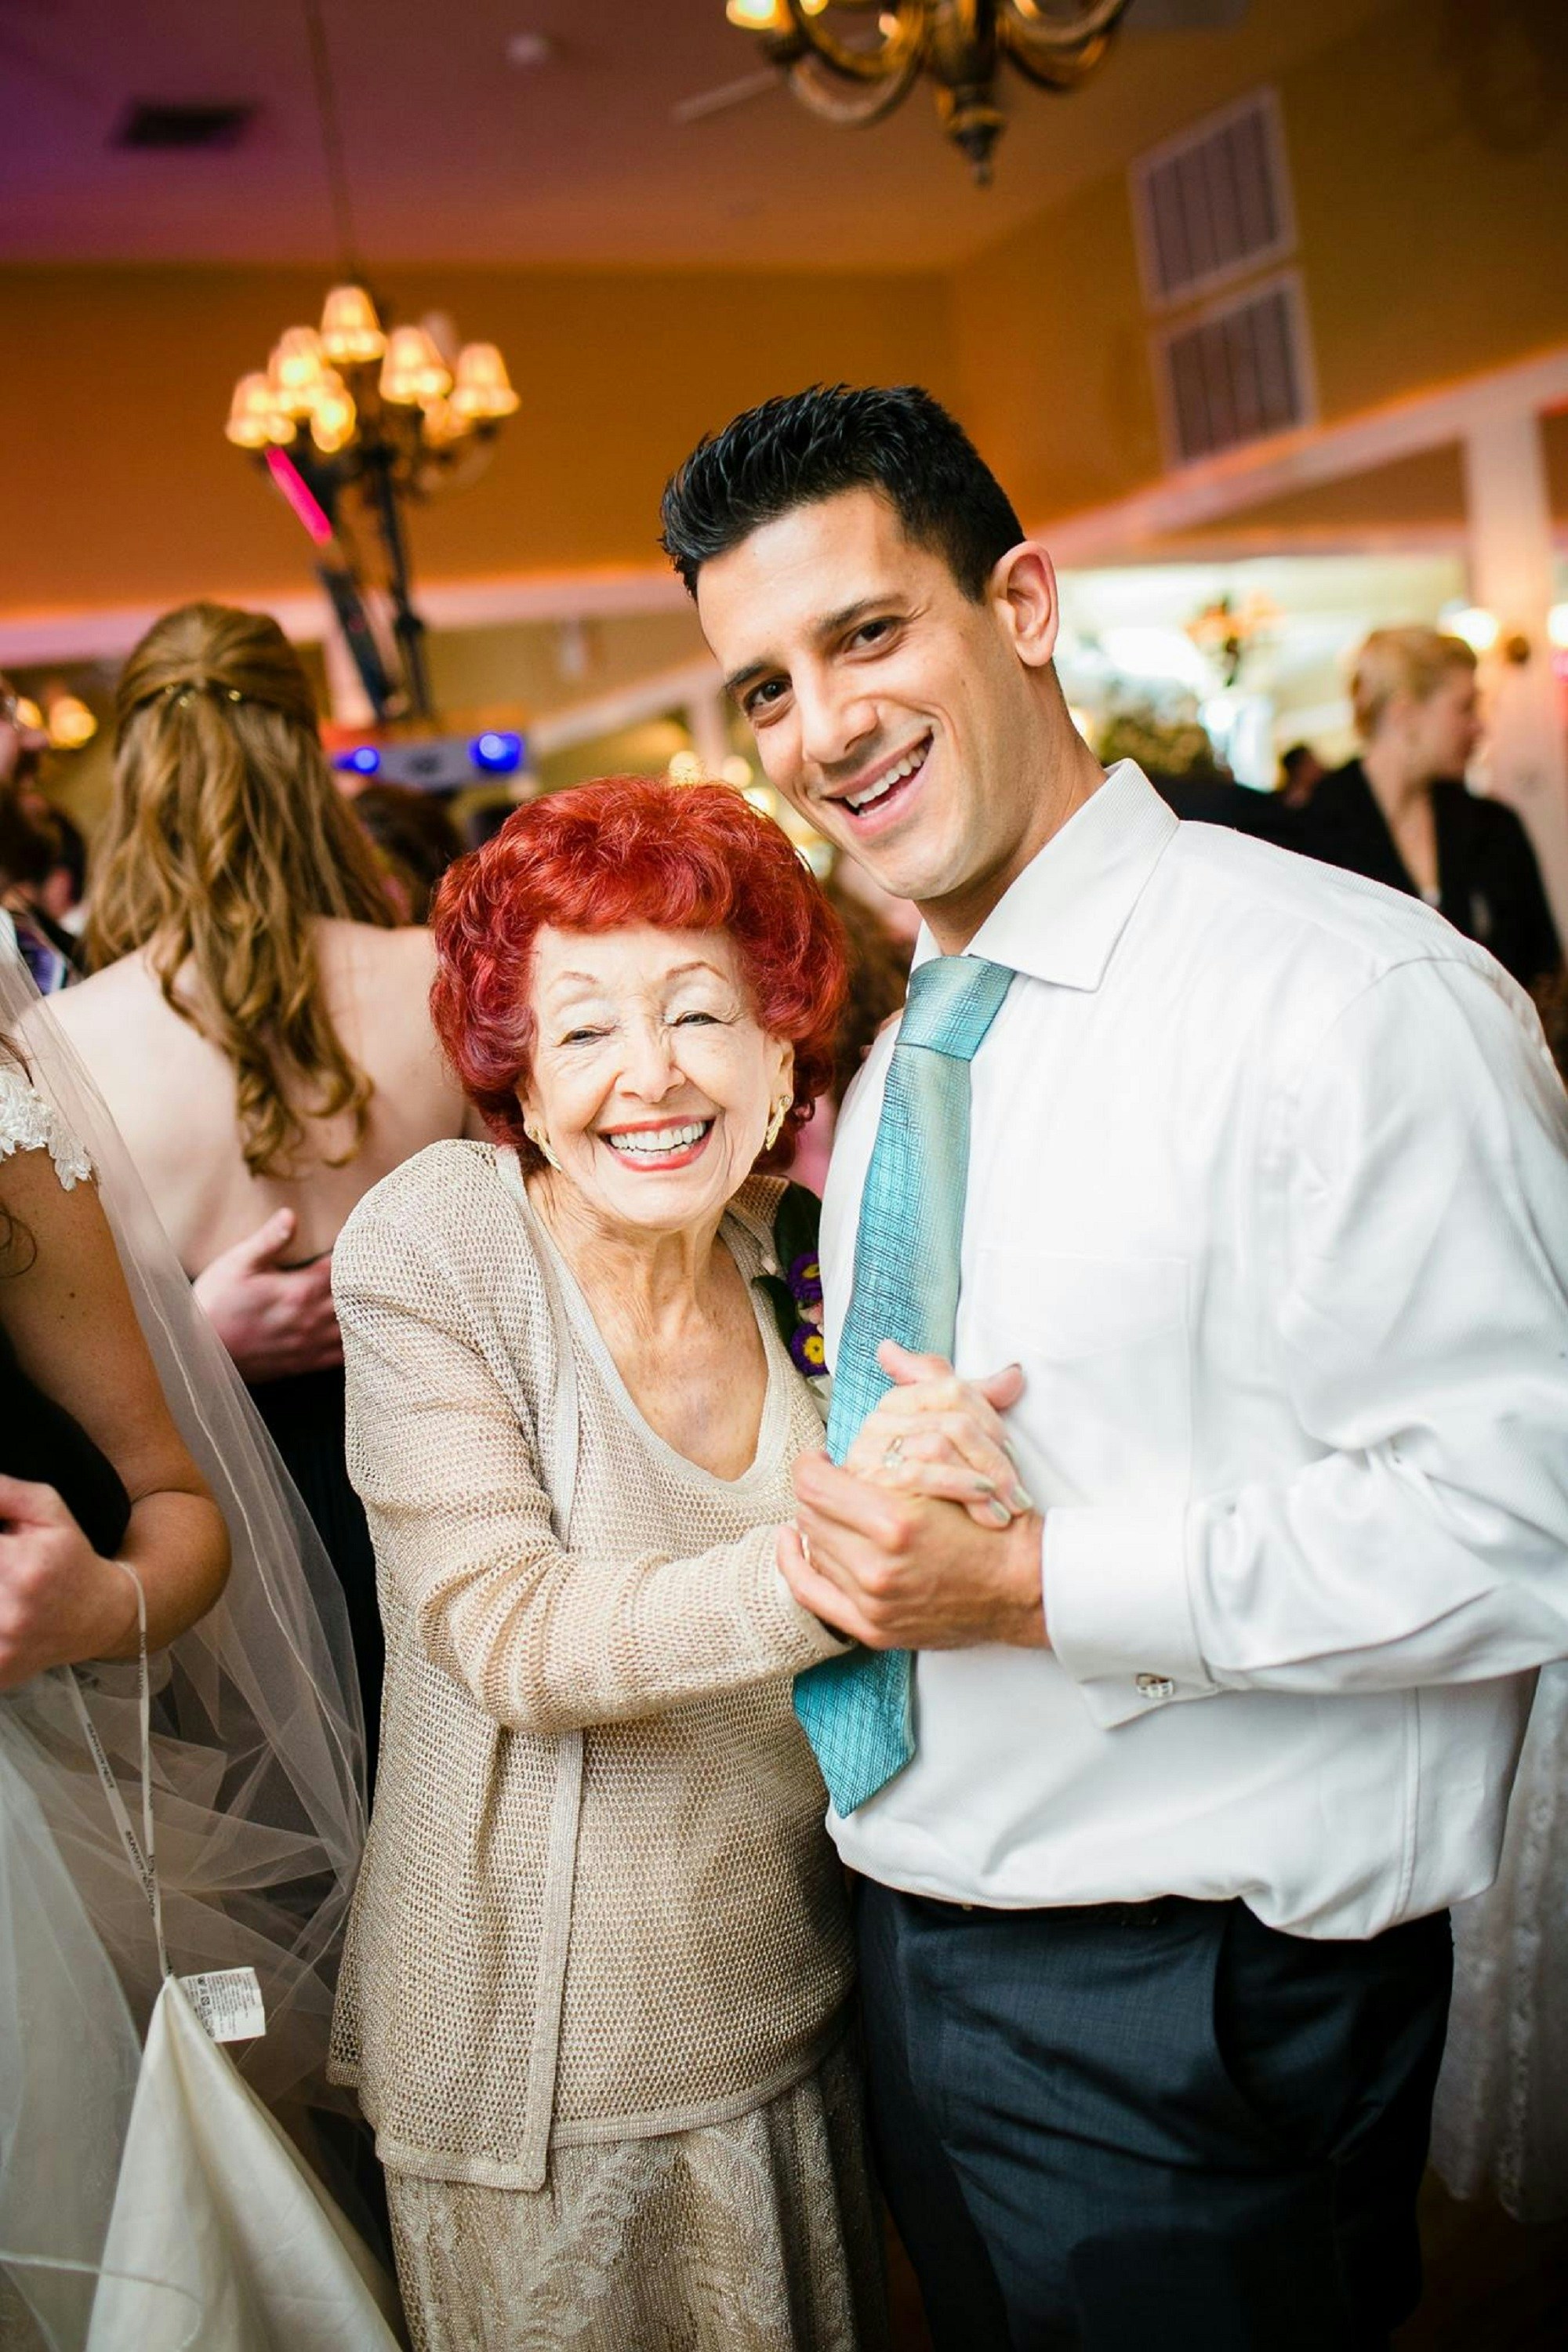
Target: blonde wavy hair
(227,837)
(1413,661)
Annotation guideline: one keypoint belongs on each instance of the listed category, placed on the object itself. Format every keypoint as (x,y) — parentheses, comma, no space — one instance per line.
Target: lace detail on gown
(28,1123)
(757,2235)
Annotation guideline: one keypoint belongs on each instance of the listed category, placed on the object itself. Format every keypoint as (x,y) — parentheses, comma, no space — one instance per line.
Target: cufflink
(1154,1686)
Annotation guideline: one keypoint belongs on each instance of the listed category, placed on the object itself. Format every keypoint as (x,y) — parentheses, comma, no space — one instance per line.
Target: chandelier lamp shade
(853,61)
(337,382)
(352,417)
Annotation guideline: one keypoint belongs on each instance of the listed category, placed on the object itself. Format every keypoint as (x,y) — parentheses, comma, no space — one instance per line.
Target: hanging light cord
(332,136)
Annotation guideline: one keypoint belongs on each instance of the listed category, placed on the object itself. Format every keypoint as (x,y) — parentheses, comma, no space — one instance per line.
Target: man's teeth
(645,1143)
(908,766)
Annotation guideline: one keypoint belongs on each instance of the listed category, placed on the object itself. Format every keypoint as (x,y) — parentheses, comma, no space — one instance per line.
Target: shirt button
(1154,1686)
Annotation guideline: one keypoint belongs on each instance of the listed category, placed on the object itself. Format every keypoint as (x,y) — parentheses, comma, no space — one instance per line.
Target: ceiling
(456,154)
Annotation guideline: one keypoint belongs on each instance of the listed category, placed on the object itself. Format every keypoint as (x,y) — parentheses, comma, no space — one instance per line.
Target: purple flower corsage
(797,1292)
(806,1348)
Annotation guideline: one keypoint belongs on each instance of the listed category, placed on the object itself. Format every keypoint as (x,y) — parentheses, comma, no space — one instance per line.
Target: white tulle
(1500,2123)
(256,1778)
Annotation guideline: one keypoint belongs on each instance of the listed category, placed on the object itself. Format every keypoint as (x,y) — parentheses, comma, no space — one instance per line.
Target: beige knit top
(597,1899)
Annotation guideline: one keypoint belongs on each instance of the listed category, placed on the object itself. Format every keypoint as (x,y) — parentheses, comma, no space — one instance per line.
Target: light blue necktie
(856,1709)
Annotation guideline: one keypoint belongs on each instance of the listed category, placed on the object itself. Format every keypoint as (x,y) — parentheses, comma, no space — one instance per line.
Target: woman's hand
(59,1601)
(276,1320)
(937,1435)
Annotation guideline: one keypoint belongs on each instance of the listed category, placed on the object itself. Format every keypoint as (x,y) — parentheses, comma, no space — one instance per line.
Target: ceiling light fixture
(368,417)
(861,73)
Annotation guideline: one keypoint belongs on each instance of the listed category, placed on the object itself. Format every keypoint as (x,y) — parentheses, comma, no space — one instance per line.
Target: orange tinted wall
(115,386)
(1428,251)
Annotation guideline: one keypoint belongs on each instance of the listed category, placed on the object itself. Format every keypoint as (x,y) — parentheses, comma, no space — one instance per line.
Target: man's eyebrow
(739,679)
(832,624)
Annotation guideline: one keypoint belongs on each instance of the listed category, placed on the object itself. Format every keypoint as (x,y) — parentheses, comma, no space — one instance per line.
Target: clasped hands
(925,1539)
(59,1601)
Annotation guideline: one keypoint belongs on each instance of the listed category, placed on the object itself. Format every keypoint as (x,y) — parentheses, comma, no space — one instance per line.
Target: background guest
(260,1029)
(1180,761)
(416,839)
(29,853)
(1402,815)
(1300,774)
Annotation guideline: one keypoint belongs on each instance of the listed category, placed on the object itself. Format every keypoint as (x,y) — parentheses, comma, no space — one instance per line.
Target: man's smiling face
(897,714)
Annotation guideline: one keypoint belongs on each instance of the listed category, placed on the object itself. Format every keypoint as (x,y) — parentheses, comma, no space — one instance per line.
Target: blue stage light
(498,755)
(365,760)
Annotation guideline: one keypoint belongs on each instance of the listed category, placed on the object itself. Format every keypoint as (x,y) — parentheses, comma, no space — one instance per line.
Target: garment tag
(229,2002)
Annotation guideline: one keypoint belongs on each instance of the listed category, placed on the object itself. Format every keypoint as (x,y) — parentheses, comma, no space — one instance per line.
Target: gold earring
(775,1124)
(540,1142)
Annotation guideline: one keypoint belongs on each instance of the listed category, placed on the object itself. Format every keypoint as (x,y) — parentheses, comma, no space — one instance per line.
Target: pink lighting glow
(287,476)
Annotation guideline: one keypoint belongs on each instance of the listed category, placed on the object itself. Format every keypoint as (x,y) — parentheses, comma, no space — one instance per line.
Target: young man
(1260,1172)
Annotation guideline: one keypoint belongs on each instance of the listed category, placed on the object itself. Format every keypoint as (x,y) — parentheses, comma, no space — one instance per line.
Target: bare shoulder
(367,946)
(120,993)
(123,1027)
(50,1194)
(377,988)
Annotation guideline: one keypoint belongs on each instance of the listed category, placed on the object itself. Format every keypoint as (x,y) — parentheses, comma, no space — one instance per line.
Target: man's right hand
(274,1320)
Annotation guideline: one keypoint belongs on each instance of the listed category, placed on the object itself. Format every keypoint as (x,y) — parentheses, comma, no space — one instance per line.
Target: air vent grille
(1214,203)
(153,123)
(1238,371)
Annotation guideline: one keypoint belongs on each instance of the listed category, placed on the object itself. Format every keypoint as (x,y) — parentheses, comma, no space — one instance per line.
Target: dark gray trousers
(1151,2124)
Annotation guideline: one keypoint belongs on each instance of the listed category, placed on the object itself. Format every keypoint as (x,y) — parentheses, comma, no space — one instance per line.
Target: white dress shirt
(1269,1194)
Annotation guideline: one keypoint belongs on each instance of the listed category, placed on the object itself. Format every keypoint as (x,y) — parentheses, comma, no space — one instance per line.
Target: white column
(1509,515)
(710,734)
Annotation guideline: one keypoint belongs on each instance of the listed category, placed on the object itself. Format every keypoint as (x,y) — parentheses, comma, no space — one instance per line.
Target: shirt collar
(1062,917)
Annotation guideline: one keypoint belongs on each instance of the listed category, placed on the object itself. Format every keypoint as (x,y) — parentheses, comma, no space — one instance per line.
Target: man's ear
(1023,593)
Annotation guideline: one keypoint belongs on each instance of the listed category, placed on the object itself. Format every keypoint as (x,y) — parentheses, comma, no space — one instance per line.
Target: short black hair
(897,441)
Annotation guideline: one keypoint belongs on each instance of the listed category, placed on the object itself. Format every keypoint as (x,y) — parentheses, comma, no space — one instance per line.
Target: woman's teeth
(650,1142)
(909,766)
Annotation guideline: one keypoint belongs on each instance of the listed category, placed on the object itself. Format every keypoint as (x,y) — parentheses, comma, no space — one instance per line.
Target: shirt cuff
(1118,1614)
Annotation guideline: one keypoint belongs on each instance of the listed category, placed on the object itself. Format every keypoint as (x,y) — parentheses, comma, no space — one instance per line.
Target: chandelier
(361,393)
(862,73)
(350,418)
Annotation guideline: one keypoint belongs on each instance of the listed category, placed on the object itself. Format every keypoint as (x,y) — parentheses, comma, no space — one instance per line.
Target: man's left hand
(898,1572)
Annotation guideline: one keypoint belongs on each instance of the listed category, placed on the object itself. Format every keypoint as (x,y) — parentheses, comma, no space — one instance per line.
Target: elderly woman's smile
(652,1081)
(660,1147)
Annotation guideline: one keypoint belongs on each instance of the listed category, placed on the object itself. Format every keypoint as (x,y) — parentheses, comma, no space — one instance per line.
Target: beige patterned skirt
(757,2235)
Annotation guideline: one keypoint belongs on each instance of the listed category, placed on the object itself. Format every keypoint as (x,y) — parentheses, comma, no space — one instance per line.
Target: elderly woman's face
(652,1078)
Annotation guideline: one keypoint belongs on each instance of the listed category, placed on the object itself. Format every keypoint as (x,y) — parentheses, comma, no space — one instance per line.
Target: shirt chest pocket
(1106,1414)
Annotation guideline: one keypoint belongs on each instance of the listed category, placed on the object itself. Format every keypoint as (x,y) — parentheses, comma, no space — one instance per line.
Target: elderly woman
(594,2003)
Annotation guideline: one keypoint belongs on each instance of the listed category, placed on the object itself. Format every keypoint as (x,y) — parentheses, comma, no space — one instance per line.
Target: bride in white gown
(234,1766)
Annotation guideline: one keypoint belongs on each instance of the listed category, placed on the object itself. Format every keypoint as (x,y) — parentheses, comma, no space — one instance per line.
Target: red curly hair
(624,850)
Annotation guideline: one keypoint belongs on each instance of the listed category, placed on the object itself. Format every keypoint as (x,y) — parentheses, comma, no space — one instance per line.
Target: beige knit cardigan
(597,1900)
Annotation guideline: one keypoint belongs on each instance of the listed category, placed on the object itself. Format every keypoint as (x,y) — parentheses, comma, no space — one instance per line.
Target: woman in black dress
(1402,813)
